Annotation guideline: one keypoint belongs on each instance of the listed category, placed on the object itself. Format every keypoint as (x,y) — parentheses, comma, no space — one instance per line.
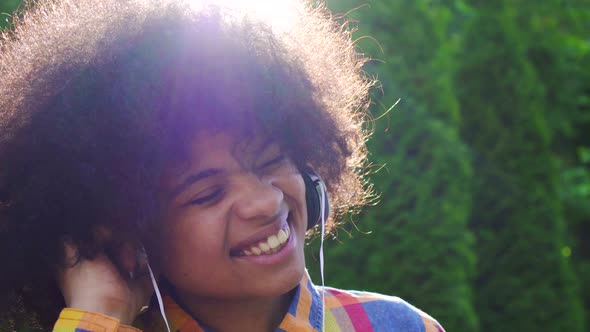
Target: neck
(254,314)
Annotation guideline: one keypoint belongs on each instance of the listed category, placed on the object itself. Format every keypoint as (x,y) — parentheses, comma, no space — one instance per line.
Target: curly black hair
(98,98)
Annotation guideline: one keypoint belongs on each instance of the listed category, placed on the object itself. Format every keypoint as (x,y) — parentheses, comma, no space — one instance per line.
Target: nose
(258,199)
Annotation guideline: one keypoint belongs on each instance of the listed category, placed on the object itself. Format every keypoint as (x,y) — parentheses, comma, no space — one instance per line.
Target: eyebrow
(193,178)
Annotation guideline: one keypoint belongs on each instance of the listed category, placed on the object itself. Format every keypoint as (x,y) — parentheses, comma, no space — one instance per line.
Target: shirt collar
(304,314)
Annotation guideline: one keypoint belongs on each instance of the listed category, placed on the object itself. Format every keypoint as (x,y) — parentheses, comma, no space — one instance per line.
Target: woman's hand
(98,286)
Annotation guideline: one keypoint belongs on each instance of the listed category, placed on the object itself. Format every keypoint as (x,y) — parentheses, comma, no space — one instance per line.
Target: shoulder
(362,310)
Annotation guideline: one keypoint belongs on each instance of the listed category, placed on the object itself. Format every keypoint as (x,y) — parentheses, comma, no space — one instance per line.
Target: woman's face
(236,221)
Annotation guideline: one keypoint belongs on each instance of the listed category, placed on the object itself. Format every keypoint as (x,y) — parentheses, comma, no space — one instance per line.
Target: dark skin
(225,207)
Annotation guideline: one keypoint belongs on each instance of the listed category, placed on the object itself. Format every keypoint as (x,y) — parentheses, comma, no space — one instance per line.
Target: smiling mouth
(270,245)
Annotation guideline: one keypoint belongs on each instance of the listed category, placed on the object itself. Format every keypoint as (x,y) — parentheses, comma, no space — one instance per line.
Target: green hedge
(420,247)
(524,282)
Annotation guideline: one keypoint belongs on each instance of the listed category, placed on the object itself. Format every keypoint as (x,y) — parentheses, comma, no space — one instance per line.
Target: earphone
(316,198)
(318,211)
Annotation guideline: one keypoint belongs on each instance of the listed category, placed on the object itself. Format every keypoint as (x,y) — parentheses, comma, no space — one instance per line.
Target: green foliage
(557,41)
(575,193)
(420,247)
(6,9)
(414,243)
(517,214)
(555,34)
(414,44)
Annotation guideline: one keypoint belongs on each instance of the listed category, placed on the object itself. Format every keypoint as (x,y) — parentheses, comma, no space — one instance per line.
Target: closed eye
(208,198)
(274,161)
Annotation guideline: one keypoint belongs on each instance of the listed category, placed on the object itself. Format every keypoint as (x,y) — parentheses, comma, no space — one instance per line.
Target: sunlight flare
(280,14)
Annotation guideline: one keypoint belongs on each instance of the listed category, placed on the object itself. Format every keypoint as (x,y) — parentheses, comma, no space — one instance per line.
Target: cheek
(293,188)
(189,245)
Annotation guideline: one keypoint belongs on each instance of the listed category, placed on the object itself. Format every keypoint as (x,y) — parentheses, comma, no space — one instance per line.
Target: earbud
(316,195)
(318,210)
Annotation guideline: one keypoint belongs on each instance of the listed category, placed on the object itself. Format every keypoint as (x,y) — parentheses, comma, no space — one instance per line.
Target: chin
(285,280)
(279,286)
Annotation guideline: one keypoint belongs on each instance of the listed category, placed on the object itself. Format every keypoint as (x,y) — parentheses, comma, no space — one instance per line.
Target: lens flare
(281,15)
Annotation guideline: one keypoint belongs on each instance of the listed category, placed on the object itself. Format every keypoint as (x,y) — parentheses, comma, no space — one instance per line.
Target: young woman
(177,146)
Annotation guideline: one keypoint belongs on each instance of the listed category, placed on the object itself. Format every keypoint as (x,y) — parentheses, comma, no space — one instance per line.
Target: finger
(70,257)
(70,253)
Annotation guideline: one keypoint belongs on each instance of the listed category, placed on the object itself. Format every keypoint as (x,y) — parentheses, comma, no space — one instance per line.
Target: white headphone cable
(158,296)
(322,211)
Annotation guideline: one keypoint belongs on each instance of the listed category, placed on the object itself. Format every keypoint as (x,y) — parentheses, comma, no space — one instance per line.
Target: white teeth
(282,236)
(265,247)
(273,241)
(272,244)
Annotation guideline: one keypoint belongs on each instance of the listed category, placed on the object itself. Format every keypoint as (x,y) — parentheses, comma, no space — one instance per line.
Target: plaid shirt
(344,311)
